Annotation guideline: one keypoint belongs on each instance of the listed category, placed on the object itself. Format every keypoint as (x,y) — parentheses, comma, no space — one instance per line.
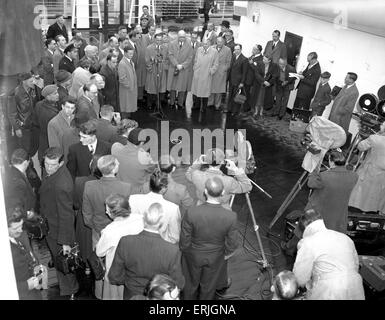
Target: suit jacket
(57,56)
(105,130)
(279,51)
(67,64)
(128,86)
(212,37)
(231,45)
(79,157)
(139,257)
(343,106)
(56,204)
(238,70)
(111,88)
(136,165)
(232,185)
(18,191)
(44,112)
(85,106)
(171,219)
(308,85)
(330,196)
(56,128)
(290,80)
(46,67)
(252,69)
(63,94)
(54,30)
(94,196)
(209,229)
(322,97)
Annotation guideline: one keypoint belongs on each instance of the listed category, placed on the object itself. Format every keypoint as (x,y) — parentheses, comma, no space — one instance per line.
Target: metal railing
(163,8)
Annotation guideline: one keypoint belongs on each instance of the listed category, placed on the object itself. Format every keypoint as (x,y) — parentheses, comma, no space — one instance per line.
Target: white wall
(339,50)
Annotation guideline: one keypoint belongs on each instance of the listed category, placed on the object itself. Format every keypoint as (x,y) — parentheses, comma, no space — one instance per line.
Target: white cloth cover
(325,135)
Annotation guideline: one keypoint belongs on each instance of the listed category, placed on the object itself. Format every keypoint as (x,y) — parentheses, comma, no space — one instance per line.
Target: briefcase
(240,97)
(69,263)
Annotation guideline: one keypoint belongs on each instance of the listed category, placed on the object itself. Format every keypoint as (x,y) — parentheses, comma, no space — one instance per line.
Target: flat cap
(47,90)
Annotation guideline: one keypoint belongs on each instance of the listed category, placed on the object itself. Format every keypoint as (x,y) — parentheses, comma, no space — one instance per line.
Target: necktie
(180,44)
(273,46)
(91,148)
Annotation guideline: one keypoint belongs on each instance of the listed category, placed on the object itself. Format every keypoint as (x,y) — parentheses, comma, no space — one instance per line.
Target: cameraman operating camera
(234,183)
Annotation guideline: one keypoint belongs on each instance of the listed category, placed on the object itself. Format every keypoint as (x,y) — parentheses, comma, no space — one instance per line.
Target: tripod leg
(297,187)
(256,227)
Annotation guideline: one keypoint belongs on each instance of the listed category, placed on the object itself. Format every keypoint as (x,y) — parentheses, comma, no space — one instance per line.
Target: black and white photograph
(206,151)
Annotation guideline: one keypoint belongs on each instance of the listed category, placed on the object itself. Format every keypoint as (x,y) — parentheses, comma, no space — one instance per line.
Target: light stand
(158,68)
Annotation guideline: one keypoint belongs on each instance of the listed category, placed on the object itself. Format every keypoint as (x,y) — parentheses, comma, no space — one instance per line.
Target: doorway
(293,44)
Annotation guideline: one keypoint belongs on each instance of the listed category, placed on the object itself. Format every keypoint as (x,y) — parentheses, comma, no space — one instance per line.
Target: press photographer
(209,166)
(368,194)
(30,275)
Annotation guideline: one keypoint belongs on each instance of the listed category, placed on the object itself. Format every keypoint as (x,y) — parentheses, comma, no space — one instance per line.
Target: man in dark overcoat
(56,204)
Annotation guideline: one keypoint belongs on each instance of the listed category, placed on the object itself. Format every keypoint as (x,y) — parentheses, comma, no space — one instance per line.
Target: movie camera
(370,118)
(372,115)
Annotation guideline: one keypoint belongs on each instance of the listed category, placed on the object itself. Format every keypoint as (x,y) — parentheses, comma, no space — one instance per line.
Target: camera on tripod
(372,115)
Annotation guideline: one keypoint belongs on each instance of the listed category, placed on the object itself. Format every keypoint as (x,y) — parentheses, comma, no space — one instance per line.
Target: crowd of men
(101,189)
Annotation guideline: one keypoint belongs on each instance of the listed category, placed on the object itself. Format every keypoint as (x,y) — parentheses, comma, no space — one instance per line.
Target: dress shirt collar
(89,99)
(349,86)
(68,58)
(67,119)
(12,240)
(311,66)
(51,52)
(93,145)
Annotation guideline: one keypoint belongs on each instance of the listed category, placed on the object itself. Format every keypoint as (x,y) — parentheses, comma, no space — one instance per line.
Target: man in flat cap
(58,28)
(45,110)
(68,61)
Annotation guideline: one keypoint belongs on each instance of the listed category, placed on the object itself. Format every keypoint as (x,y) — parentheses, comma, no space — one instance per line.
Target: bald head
(214,187)
(91,51)
(152,217)
(181,35)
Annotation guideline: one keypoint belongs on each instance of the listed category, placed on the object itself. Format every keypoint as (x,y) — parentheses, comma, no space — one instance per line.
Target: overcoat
(111,88)
(343,106)
(368,193)
(190,69)
(140,63)
(330,196)
(151,81)
(205,66)
(128,88)
(218,84)
(44,111)
(183,56)
(56,204)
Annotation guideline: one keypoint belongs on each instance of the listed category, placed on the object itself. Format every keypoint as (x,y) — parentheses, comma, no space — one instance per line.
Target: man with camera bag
(56,204)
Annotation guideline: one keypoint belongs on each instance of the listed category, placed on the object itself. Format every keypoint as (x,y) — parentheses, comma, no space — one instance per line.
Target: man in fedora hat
(225,26)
